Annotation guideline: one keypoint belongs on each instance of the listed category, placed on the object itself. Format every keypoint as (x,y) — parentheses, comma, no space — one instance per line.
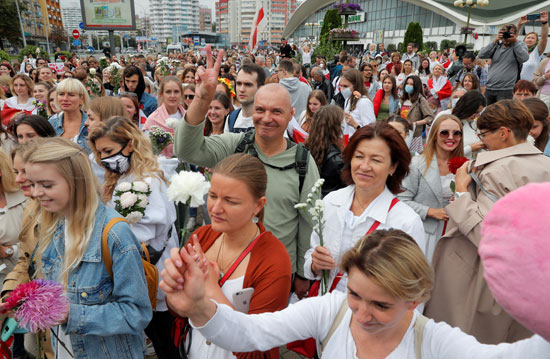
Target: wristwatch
(9,251)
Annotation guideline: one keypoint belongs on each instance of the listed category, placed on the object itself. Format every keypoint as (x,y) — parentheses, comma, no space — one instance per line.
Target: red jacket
(445,92)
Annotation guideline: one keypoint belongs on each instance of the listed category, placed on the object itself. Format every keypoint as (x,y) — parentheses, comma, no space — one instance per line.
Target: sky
(142,6)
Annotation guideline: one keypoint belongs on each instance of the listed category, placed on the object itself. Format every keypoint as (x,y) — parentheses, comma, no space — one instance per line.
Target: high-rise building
(143,25)
(72,17)
(205,20)
(167,15)
(38,17)
(242,12)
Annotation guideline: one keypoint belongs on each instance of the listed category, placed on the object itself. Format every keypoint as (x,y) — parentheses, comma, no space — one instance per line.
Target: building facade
(387,20)
(167,15)
(205,19)
(39,18)
(234,17)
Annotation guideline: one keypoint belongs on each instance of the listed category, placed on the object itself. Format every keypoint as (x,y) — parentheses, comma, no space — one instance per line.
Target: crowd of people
(414,150)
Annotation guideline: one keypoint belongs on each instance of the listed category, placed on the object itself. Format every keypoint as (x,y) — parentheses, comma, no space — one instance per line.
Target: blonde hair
(26,79)
(72,86)
(7,177)
(143,162)
(72,163)
(162,87)
(107,106)
(393,260)
(431,143)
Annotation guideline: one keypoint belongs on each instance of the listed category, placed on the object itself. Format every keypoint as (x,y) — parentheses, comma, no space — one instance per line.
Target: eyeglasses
(447,133)
(481,135)
(188,97)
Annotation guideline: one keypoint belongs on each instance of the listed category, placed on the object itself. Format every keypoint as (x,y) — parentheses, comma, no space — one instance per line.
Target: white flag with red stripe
(258,24)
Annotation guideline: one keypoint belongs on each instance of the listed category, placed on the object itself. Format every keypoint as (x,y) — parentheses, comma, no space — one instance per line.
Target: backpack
(233,118)
(300,163)
(151,272)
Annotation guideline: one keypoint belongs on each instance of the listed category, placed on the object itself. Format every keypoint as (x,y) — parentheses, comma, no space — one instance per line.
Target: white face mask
(346,92)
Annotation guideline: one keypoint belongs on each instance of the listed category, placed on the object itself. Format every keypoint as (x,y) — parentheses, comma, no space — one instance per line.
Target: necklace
(359,201)
(220,252)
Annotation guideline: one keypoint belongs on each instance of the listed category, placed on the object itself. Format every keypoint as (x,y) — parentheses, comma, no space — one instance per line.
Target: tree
(430,45)
(329,48)
(9,22)
(4,56)
(31,49)
(213,26)
(58,36)
(447,44)
(414,35)
(391,48)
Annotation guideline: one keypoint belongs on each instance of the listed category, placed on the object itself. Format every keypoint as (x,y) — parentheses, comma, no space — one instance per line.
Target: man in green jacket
(272,113)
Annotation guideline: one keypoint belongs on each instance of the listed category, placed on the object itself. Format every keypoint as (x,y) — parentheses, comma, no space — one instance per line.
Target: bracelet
(544,23)
(358,127)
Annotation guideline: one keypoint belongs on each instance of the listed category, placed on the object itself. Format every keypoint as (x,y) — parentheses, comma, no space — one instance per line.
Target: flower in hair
(227,83)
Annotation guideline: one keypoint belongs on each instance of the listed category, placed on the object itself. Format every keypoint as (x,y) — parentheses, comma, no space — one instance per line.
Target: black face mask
(118,163)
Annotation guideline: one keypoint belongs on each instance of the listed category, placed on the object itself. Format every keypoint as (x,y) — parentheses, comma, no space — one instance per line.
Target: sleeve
(411,184)
(191,145)
(445,91)
(130,311)
(488,51)
(235,331)
(521,51)
(314,242)
(538,75)
(467,151)
(443,341)
(304,225)
(483,77)
(366,112)
(425,111)
(467,215)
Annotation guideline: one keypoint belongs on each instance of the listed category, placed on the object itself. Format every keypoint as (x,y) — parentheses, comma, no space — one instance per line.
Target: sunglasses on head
(447,133)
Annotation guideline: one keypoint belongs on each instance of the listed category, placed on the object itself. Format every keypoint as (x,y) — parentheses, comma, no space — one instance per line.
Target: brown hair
(524,85)
(247,169)
(320,96)
(431,143)
(163,83)
(394,261)
(512,114)
(539,110)
(7,179)
(399,152)
(325,130)
(106,107)
(475,81)
(26,79)
(226,102)
(356,79)
(133,97)
(394,86)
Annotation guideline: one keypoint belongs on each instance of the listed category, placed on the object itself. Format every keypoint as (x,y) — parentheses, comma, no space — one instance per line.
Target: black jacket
(330,170)
(326,87)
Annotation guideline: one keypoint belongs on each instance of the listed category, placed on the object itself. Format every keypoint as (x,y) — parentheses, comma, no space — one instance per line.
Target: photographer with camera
(535,45)
(507,57)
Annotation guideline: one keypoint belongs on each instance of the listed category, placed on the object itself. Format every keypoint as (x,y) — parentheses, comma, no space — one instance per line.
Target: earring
(255,219)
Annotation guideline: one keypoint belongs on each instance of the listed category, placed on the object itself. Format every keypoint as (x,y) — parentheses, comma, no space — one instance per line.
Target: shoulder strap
(245,145)
(105,245)
(233,118)
(337,320)
(376,223)
(419,334)
(240,259)
(302,156)
(476,179)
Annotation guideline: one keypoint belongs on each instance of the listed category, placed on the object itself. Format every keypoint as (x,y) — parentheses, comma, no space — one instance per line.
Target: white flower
(186,186)
(134,217)
(128,199)
(143,200)
(172,123)
(92,71)
(319,204)
(318,184)
(312,212)
(300,206)
(123,187)
(140,186)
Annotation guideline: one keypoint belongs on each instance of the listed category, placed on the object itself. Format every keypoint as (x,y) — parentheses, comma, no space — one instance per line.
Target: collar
(28,106)
(524,148)
(14,198)
(378,209)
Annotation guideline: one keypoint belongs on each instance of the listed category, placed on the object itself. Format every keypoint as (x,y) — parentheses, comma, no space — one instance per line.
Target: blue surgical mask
(346,92)
(409,89)
(118,163)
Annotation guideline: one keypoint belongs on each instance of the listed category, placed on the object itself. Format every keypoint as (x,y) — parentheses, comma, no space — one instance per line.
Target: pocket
(96,294)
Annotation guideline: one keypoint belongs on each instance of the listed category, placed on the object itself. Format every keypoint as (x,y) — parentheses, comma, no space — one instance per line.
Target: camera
(508,32)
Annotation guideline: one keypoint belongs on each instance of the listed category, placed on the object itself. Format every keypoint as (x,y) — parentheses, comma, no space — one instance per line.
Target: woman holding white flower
(170,107)
(375,162)
(248,268)
(125,153)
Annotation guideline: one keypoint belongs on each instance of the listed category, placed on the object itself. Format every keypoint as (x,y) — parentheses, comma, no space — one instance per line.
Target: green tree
(430,45)
(414,35)
(4,55)
(447,44)
(327,47)
(58,36)
(213,26)
(9,22)
(391,48)
(31,49)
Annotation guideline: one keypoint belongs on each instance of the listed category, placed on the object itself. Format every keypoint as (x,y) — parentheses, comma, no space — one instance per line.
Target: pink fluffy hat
(515,250)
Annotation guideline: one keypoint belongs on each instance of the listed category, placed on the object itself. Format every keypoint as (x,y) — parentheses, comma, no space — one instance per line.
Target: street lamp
(312,25)
(470,4)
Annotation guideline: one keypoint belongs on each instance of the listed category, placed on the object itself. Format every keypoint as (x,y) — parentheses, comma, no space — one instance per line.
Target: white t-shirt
(530,65)
(242,124)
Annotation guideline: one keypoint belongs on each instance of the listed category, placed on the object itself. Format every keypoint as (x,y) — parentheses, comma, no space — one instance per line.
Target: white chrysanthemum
(128,199)
(134,217)
(318,184)
(172,123)
(143,200)
(319,204)
(123,187)
(300,206)
(188,186)
(140,186)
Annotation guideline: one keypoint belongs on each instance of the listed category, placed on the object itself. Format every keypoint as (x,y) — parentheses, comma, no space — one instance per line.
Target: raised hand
(207,79)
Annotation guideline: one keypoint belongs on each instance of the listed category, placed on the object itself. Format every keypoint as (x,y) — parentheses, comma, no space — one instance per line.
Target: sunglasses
(447,133)
(188,97)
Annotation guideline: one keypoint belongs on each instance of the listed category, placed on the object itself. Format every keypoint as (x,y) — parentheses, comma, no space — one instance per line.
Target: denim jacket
(148,104)
(82,140)
(106,320)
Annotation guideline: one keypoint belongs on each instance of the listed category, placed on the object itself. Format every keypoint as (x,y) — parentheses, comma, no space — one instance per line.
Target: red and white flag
(258,24)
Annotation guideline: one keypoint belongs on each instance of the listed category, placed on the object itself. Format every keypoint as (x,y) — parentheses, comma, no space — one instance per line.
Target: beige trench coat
(460,295)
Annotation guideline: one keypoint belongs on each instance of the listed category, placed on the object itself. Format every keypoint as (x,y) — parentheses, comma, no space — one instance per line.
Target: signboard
(196,41)
(108,14)
(91,49)
(203,41)
(76,34)
(378,36)
(359,17)
(81,26)
(57,67)
(77,43)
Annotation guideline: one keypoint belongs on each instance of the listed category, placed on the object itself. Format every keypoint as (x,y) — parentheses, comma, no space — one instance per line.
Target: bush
(4,56)
(31,49)
(391,49)
(430,46)
(447,44)
(414,35)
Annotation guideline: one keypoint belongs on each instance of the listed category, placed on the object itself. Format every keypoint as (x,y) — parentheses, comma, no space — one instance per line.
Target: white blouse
(313,317)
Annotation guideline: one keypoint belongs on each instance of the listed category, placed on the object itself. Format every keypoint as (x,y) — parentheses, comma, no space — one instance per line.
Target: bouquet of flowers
(38,306)
(103,62)
(454,164)
(165,67)
(41,108)
(131,200)
(316,207)
(342,6)
(115,71)
(159,139)
(93,85)
(188,188)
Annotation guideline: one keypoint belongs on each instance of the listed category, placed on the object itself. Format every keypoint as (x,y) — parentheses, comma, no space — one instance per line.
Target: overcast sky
(142,6)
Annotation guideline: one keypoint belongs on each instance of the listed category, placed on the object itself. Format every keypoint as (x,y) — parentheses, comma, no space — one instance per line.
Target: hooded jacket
(299,93)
